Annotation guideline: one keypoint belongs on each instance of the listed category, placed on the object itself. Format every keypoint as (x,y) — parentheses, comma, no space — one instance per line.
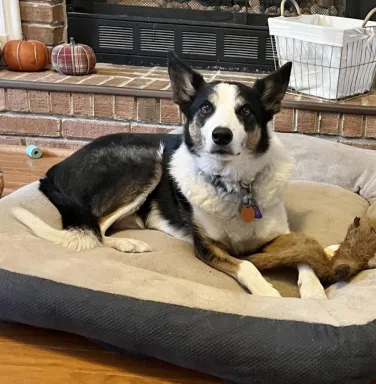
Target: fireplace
(209,34)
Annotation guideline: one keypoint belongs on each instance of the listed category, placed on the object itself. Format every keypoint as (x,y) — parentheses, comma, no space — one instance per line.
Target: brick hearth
(53,110)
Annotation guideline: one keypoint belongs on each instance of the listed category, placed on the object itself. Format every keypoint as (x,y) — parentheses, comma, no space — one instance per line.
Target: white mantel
(10,21)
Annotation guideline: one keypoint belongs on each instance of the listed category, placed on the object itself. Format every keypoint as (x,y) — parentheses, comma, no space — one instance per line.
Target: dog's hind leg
(126,244)
(123,244)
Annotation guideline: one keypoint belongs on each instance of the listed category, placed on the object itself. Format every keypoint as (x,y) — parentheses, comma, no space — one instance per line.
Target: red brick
(52,77)
(42,13)
(83,104)
(329,123)
(284,120)
(3,100)
(151,128)
(370,126)
(371,144)
(94,79)
(157,85)
(86,128)
(115,82)
(49,35)
(60,103)
(29,125)
(138,83)
(10,75)
(104,106)
(170,112)
(11,140)
(39,101)
(148,110)
(306,121)
(17,100)
(36,76)
(56,143)
(125,107)
(352,126)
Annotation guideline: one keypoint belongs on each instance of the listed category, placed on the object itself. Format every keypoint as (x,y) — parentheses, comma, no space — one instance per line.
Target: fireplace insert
(209,34)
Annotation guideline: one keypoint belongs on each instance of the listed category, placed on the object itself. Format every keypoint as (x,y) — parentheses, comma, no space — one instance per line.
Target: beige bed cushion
(320,210)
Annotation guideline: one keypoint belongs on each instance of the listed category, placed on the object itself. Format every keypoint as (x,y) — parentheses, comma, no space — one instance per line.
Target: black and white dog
(220,185)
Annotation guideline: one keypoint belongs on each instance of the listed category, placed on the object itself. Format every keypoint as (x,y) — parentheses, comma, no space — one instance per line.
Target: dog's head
(225,119)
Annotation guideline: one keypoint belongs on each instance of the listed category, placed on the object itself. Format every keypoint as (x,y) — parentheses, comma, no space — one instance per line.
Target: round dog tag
(247,214)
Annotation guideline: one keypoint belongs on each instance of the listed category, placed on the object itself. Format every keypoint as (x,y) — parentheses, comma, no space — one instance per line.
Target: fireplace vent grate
(269,51)
(113,37)
(245,47)
(199,43)
(157,40)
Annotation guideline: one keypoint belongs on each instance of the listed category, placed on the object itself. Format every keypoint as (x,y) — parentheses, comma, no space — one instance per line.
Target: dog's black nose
(222,136)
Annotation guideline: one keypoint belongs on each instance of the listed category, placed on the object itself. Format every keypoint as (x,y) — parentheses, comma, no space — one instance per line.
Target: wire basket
(333,58)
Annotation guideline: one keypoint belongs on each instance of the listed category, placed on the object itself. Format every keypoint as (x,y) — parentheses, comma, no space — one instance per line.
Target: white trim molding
(10,21)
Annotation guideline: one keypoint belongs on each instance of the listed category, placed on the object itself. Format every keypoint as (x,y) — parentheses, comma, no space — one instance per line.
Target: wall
(44,20)
(68,120)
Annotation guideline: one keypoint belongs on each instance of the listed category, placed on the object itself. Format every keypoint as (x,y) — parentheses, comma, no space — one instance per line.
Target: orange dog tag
(247,214)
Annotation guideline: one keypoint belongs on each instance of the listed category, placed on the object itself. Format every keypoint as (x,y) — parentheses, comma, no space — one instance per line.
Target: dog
(220,185)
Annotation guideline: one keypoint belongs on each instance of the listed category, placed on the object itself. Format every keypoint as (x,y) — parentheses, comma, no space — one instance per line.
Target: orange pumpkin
(26,55)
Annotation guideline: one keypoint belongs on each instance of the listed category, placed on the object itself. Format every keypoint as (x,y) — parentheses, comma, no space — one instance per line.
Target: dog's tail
(77,239)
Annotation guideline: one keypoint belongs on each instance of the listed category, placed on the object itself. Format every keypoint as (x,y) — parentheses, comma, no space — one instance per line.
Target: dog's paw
(267,290)
(310,287)
(127,245)
(250,277)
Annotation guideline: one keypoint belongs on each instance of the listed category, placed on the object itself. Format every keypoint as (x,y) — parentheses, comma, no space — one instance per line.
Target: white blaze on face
(225,100)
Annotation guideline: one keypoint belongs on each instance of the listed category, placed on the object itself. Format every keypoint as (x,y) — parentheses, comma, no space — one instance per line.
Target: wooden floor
(35,356)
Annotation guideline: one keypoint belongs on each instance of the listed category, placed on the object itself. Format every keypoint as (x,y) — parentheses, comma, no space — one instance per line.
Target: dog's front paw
(127,245)
(250,277)
(267,290)
(310,287)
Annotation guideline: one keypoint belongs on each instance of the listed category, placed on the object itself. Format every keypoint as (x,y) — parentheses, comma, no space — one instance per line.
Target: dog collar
(249,209)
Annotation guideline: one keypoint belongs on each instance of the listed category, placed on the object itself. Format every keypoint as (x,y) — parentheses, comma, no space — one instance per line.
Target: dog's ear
(273,88)
(185,82)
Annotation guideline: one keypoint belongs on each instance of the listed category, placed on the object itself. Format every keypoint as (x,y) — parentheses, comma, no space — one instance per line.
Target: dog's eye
(206,109)
(245,111)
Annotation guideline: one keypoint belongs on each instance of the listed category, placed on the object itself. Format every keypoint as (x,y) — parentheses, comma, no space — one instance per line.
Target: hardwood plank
(47,152)
(45,356)
(38,375)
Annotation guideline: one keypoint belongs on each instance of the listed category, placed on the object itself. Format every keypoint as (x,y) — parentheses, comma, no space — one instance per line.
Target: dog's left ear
(185,82)
(273,88)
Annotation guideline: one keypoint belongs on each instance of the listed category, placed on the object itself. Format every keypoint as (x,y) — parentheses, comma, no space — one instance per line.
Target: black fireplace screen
(215,34)
(252,7)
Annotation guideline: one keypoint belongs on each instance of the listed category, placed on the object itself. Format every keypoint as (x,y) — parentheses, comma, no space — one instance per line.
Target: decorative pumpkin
(25,55)
(73,59)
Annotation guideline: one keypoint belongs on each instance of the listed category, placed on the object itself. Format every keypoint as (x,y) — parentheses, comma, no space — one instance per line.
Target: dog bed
(169,305)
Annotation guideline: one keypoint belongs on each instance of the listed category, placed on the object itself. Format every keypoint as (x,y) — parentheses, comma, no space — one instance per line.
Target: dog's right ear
(185,82)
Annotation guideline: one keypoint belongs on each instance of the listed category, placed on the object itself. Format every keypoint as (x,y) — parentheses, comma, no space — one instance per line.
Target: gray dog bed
(169,305)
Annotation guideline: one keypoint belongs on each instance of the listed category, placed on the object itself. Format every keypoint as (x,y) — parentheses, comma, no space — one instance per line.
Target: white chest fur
(240,236)
(218,213)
